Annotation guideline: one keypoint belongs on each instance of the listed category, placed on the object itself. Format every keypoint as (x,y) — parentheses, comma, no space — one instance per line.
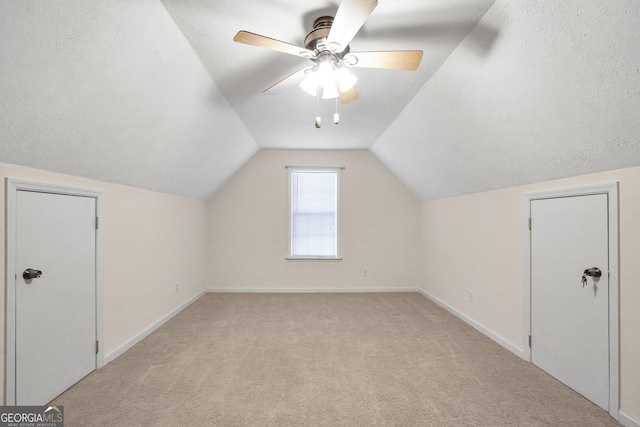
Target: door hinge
(97,222)
(97,346)
(529,340)
(529,223)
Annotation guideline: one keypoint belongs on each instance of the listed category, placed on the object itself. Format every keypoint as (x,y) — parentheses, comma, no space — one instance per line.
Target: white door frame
(611,190)
(12,188)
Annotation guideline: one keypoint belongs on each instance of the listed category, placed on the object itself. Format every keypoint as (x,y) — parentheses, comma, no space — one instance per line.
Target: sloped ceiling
(155,94)
(558,95)
(113,91)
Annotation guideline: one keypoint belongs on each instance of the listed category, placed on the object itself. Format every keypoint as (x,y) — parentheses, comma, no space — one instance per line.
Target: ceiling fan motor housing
(316,40)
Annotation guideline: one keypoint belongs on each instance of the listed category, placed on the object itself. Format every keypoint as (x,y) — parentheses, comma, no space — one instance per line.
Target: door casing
(611,190)
(12,188)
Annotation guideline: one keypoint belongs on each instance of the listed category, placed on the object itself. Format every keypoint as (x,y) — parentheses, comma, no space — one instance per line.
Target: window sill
(312,258)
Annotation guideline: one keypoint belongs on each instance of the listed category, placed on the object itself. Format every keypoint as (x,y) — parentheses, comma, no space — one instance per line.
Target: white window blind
(314,213)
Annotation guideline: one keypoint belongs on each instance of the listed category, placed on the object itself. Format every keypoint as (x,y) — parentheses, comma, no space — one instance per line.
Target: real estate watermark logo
(31,416)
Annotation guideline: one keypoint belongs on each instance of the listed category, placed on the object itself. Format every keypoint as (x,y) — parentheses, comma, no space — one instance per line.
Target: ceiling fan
(327,46)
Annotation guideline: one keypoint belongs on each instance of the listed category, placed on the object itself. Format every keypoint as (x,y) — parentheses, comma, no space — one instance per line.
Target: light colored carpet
(322,360)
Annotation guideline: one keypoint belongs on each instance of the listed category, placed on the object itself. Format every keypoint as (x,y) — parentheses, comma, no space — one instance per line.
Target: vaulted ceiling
(155,94)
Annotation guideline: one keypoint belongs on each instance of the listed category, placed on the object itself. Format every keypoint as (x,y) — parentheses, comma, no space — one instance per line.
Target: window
(313,213)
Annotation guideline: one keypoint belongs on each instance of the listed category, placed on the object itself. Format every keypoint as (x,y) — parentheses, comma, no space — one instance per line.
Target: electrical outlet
(365,273)
(470,296)
(177,287)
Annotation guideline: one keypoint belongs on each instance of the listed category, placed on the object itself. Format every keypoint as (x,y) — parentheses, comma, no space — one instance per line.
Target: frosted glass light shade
(345,79)
(326,75)
(330,92)
(310,84)
(331,79)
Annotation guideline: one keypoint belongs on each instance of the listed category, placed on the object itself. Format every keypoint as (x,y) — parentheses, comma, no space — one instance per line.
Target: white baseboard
(139,337)
(307,290)
(628,420)
(495,337)
(143,334)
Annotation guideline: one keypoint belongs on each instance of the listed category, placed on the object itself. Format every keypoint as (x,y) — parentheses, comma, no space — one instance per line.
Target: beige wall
(474,243)
(239,240)
(248,227)
(152,242)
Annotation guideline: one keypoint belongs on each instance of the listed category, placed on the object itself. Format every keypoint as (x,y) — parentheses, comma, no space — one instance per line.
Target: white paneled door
(569,313)
(55,312)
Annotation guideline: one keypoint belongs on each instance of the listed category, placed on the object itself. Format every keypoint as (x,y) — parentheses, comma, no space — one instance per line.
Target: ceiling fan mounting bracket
(323,22)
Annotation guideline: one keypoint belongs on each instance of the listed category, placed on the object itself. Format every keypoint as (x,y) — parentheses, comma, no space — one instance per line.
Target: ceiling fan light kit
(327,45)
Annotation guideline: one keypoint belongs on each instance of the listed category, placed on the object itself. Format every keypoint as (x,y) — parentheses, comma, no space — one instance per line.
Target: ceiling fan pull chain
(336,116)
(318,119)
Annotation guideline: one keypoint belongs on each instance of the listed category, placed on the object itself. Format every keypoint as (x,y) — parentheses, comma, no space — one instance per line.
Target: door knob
(30,273)
(593,272)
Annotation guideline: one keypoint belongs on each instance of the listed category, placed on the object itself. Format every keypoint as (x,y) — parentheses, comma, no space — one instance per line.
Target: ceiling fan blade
(349,18)
(348,96)
(268,43)
(287,82)
(396,60)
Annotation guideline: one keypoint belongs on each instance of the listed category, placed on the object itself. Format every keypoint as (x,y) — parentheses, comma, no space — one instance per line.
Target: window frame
(290,171)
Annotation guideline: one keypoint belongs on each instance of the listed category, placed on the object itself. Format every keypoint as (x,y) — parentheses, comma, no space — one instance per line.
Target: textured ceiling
(286,121)
(113,91)
(558,95)
(155,94)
